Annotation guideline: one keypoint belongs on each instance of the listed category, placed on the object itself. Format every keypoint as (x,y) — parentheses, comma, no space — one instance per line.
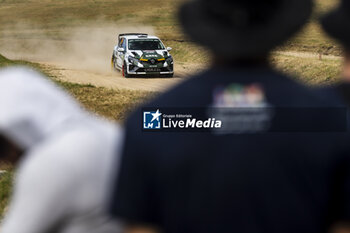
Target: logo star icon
(156,116)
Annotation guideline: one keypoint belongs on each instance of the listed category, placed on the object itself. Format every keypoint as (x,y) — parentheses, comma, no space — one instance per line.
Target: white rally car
(141,54)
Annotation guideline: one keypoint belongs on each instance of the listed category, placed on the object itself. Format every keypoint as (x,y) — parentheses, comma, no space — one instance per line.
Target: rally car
(141,54)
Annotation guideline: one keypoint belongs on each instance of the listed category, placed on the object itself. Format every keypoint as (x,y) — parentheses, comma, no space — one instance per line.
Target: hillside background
(30,20)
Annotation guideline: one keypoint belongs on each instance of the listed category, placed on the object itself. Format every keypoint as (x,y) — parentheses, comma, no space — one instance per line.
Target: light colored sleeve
(41,199)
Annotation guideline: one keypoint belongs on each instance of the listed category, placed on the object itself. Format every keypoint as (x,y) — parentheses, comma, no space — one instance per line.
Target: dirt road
(107,78)
(111,79)
(81,54)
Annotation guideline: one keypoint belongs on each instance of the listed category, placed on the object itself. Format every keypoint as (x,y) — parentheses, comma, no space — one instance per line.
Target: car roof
(139,37)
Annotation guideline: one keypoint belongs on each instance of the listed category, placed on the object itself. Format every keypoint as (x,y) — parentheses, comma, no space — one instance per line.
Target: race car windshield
(150,44)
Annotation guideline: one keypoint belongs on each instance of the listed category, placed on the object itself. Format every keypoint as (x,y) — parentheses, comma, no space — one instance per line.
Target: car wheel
(113,63)
(125,71)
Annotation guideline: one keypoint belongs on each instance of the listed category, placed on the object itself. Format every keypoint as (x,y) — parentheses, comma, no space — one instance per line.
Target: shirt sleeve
(40,200)
(134,199)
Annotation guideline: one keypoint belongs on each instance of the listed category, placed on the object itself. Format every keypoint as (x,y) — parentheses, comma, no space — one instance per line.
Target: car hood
(149,54)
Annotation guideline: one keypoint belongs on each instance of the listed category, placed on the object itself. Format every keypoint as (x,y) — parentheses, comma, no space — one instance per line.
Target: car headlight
(133,60)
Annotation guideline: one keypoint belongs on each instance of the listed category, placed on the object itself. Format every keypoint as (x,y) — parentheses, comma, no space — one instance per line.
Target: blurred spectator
(336,24)
(235,182)
(66,158)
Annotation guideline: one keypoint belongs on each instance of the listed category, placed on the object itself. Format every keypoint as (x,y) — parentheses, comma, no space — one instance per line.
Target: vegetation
(54,17)
(5,188)
(309,68)
(4,62)
(110,103)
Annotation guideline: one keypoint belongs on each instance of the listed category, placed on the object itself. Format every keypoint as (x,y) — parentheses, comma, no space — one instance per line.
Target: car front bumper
(149,71)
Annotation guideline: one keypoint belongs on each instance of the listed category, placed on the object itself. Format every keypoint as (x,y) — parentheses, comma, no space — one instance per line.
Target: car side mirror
(169,49)
(122,50)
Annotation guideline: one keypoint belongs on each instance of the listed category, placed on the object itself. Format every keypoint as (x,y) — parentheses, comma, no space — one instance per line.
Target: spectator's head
(31,108)
(337,25)
(246,30)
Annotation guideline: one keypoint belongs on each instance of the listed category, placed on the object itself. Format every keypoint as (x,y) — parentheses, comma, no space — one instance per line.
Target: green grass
(4,62)
(5,190)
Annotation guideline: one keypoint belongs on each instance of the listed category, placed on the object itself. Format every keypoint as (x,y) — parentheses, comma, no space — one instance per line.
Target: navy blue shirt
(255,182)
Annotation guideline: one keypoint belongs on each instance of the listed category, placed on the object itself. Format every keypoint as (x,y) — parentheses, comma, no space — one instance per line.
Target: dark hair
(7,146)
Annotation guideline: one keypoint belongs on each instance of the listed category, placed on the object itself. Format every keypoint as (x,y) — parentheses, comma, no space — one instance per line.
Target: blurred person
(65,158)
(241,181)
(334,23)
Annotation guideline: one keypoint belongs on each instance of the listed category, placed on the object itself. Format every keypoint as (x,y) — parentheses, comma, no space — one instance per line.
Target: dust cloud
(86,47)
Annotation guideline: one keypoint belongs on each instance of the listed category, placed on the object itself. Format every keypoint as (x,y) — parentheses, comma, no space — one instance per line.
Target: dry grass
(312,38)
(110,103)
(53,17)
(309,69)
(67,12)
